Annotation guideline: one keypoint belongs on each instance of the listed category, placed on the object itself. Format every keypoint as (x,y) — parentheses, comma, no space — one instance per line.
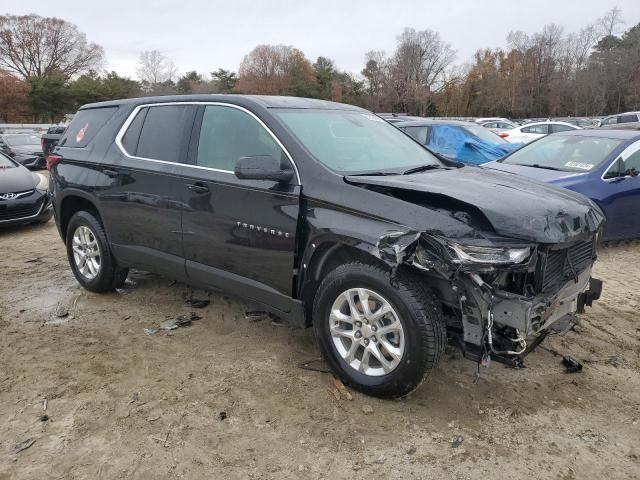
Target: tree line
(48,68)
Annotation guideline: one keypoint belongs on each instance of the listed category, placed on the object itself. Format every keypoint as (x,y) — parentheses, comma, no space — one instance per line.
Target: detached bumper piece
(587,297)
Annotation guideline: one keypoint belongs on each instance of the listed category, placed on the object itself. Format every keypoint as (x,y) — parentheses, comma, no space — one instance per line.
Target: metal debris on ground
(317,365)
(457,441)
(24,445)
(571,364)
(172,324)
(258,315)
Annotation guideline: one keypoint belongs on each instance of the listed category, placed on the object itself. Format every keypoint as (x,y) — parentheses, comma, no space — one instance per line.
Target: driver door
(624,217)
(238,234)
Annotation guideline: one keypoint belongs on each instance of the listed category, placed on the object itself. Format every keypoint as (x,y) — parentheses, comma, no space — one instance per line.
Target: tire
(108,276)
(416,308)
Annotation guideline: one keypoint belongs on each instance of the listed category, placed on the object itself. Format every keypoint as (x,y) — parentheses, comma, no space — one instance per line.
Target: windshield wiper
(537,165)
(372,174)
(421,168)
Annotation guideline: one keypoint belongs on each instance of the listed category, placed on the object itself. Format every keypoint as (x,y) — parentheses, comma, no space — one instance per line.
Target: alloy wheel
(86,252)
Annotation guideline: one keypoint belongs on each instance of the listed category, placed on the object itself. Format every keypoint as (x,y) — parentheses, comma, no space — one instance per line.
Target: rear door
(142,195)
(238,234)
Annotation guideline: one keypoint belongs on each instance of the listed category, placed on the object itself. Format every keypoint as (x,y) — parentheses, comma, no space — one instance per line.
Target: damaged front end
(500,298)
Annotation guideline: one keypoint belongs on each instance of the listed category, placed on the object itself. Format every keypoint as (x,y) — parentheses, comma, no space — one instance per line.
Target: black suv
(327,216)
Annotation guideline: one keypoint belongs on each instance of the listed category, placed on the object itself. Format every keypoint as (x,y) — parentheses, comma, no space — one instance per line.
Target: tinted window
(163,133)
(354,141)
(227,134)
(132,135)
(633,162)
(85,125)
(557,127)
(628,118)
(543,129)
(565,152)
(419,134)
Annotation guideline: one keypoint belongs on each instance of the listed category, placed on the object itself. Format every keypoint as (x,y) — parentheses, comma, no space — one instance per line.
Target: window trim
(134,112)
(626,153)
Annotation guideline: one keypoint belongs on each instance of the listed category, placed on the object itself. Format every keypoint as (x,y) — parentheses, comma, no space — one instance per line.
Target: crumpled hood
(515,206)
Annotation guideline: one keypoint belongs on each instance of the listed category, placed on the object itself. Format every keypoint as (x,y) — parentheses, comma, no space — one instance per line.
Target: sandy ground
(226,397)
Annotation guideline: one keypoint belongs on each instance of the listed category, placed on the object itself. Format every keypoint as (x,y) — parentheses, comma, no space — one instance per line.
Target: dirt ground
(226,397)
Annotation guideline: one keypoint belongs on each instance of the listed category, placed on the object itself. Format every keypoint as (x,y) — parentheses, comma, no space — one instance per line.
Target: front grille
(559,266)
(22,211)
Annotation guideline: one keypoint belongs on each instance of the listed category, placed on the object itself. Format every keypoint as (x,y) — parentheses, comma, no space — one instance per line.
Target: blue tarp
(459,144)
(477,152)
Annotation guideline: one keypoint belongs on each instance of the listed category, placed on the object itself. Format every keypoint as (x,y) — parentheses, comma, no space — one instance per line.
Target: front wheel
(380,337)
(90,256)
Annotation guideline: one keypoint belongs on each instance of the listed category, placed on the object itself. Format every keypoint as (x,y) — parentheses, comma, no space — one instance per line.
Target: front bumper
(36,207)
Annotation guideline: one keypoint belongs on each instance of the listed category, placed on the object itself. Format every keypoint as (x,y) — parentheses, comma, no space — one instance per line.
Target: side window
(132,135)
(558,127)
(491,125)
(420,134)
(610,121)
(227,134)
(164,133)
(628,118)
(633,162)
(540,129)
(85,125)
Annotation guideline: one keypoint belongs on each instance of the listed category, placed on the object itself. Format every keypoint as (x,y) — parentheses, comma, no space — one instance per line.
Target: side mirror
(262,167)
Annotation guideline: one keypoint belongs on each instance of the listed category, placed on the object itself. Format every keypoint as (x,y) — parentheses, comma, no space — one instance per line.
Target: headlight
(493,255)
(43,182)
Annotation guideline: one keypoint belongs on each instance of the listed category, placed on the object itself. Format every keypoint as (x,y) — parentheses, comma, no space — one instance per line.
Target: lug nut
(358,324)
(366,341)
(358,334)
(374,328)
(374,338)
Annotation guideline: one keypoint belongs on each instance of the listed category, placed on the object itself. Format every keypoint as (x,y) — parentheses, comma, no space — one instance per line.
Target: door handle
(198,187)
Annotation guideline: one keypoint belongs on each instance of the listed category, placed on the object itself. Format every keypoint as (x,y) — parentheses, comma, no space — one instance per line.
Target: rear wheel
(380,338)
(90,256)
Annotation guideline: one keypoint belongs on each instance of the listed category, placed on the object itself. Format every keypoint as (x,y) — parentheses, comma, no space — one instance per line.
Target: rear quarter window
(85,126)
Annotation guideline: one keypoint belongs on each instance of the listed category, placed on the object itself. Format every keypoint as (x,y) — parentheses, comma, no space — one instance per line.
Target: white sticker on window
(373,118)
(580,165)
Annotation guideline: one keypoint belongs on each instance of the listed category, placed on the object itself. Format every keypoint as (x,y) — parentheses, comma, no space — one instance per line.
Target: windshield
(566,153)
(484,134)
(5,162)
(22,140)
(355,141)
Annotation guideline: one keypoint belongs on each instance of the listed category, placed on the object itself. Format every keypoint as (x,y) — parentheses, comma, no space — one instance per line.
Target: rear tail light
(42,143)
(504,134)
(52,161)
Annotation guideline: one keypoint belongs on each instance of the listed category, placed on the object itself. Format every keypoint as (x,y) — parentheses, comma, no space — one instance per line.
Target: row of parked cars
(378,236)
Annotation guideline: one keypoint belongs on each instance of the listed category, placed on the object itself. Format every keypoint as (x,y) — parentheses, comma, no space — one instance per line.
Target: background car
(24,195)
(532,131)
(498,126)
(25,148)
(601,164)
(465,142)
(629,120)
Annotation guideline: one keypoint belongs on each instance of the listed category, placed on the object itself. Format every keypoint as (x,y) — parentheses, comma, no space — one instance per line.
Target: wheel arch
(73,202)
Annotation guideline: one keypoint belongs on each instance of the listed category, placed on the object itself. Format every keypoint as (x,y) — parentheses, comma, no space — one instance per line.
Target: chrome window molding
(626,153)
(135,111)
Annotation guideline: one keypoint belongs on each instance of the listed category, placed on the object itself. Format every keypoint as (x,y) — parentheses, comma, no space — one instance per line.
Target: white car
(533,131)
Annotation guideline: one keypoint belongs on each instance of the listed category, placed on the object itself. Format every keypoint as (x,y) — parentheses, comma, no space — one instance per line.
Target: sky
(210,34)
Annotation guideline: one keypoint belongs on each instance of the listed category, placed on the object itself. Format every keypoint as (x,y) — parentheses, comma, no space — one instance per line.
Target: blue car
(465,142)
(601,164)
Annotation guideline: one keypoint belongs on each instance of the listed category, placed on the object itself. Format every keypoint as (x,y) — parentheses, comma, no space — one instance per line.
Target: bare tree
(609,24)
(154,68)
(35,46)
